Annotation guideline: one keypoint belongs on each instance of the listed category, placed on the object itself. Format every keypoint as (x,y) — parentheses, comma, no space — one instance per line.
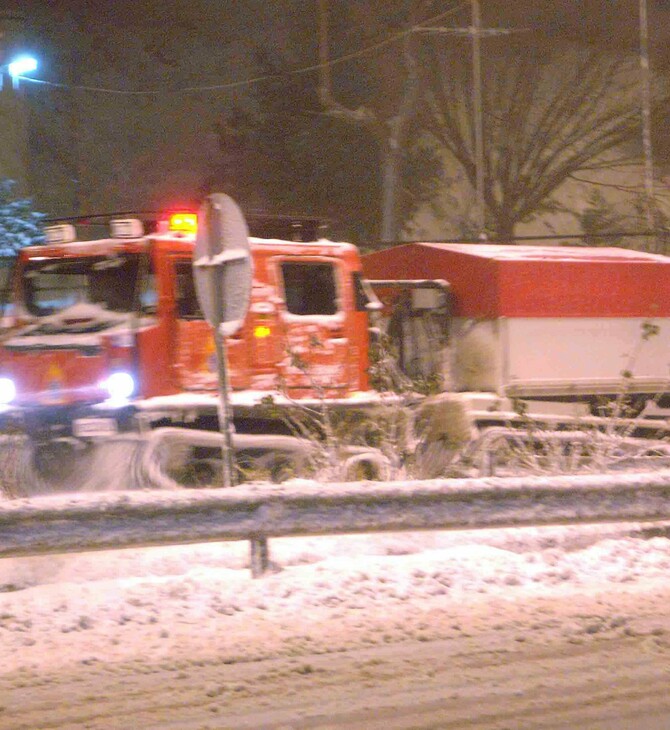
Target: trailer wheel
(370,465)
(630,406)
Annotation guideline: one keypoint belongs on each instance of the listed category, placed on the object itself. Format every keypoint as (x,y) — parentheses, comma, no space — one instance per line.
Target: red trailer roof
(496,280)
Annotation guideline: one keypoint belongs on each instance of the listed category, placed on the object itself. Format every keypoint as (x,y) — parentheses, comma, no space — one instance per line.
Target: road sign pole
(222,270)
(215,272)
(225,420)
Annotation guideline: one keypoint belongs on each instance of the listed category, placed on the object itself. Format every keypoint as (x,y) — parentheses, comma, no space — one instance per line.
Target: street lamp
(20,66)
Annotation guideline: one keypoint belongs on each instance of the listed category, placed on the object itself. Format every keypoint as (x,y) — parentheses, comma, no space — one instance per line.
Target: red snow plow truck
(108,366)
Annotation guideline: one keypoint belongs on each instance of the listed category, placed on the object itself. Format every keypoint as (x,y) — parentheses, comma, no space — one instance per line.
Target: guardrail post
(260,556)
(488,463)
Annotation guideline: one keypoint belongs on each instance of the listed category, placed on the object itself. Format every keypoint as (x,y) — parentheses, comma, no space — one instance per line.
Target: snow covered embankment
(126,605)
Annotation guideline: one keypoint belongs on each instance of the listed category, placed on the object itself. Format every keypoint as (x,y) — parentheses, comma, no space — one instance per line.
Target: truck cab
(105,331)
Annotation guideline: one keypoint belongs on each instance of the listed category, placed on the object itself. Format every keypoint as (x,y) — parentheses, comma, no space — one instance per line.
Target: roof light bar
(126,228)
(62,233)
(183,223)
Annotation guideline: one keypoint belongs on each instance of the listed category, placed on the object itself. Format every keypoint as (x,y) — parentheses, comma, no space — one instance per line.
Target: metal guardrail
(102,521)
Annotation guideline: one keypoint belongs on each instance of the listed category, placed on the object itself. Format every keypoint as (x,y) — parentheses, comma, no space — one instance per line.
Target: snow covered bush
(20,225)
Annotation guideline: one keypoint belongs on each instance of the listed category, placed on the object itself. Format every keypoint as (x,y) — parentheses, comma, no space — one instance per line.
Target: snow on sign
(222,267)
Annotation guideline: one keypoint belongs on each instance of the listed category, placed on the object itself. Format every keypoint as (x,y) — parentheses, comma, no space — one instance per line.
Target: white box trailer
(543,322)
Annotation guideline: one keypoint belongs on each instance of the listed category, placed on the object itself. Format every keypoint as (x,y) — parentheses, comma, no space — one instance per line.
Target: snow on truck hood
(80,325)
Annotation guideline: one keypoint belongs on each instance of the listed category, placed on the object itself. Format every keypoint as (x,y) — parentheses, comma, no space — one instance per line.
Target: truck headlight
(120,386)
(7,391)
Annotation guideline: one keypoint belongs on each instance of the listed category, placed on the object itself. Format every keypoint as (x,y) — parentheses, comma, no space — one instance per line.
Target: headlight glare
(7,391)
(120,386)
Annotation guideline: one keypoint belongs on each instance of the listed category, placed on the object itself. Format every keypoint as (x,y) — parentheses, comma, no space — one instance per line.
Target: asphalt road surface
(593,663)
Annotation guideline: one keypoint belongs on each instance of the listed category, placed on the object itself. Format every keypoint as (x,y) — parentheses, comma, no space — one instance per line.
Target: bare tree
(549,111)
(390,107)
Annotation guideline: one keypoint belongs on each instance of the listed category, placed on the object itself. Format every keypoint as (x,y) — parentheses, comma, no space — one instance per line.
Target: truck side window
(187,300)
(149,294)
(309,288)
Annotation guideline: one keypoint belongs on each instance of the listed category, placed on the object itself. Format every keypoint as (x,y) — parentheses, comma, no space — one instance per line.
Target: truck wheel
(202,473)
(282,470)
(55,461)
(267,465)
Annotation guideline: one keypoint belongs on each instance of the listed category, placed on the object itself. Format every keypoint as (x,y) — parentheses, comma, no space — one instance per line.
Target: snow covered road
(524,628)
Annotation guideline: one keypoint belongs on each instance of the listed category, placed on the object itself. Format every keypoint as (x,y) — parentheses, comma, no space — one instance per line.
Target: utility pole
(476,30)
(646,116)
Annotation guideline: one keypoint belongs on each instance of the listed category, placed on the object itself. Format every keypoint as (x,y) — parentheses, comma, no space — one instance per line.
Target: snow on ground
(118,605)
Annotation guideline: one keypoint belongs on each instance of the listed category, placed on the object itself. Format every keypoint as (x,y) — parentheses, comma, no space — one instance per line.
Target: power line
(154,92)
(249,82)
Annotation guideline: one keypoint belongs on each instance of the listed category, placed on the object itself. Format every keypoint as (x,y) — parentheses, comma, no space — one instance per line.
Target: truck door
(313,323)
(195,351)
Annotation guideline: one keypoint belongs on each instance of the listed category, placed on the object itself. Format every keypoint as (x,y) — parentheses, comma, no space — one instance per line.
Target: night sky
(113,129)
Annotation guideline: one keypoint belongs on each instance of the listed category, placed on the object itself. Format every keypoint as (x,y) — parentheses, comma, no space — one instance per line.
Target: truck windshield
(110,282)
